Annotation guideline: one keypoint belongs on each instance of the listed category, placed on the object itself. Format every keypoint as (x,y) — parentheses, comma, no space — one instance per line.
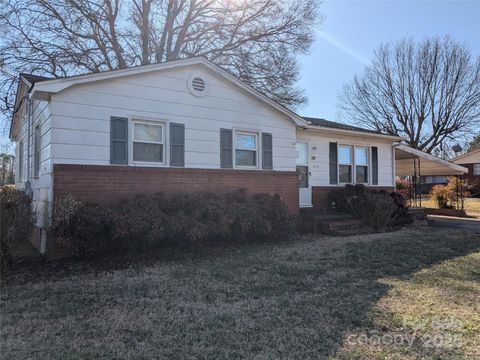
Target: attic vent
(197,85)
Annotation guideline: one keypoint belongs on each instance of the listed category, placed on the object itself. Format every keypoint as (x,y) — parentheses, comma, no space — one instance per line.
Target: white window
(361,165)
(344,164)
(148,142)
(476,169)
(246,149)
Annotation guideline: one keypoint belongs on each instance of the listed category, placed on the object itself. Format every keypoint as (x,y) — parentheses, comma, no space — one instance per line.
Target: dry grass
(471,205)
(297,299)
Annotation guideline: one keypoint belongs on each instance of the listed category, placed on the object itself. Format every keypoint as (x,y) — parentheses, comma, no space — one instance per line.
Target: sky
(351,30)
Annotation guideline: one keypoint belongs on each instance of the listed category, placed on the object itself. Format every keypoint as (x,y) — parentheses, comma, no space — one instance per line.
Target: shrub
(377,209)
(144,221)
(17,219)
(342,198)
(400,216)
(85,229)
(404,187)
(446,196)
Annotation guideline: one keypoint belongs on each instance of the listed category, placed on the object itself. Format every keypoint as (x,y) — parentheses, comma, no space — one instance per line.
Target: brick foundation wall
(100,184)
(320,195)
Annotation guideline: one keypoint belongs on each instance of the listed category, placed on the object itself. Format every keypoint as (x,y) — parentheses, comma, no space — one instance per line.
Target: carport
(412,164)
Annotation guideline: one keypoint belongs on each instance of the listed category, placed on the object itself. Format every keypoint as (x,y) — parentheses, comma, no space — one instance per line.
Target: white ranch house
(186,125)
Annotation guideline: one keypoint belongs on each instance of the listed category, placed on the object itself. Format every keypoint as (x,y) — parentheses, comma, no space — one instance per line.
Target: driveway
(468,224)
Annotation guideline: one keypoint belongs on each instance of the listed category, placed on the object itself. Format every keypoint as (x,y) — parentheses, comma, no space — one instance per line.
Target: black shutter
(374,165)
(226,148)
(267,155)
(177,145)
(333,163)
(118,140)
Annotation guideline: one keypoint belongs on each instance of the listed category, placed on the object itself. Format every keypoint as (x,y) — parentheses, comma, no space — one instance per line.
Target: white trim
(367,165)
(309,188)
(351,164)
(131,140)
(257,148)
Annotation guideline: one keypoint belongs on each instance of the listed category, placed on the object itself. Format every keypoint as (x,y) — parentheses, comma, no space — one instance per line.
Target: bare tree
(256,40)
(474,144)
(427,92)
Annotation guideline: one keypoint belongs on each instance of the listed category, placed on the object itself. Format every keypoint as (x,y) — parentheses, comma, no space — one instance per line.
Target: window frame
(163,142)
(368,150)
(351,164)
(257,148)
(476,171)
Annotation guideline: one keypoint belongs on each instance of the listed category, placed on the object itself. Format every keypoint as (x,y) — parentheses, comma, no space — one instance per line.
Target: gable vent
(197,85)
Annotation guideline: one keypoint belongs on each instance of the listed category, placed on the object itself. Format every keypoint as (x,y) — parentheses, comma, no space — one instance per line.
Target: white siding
(319,150)
(81,117)
(42,191)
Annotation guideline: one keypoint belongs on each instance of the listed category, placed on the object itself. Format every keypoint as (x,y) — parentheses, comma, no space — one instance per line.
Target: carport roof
(429,165)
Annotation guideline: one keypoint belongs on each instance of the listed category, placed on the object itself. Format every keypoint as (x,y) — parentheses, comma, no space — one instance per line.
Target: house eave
(353,133)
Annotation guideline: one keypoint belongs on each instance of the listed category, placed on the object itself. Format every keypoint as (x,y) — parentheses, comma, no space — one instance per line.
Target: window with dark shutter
(333,163)
(267,155)
(177,145)
(226,149)
(374,165)
(118,140)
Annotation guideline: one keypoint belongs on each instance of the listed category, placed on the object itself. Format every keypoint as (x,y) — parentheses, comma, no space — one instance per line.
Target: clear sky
(351,30)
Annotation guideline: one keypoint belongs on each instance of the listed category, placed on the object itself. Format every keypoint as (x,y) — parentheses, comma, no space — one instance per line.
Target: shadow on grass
(292,299)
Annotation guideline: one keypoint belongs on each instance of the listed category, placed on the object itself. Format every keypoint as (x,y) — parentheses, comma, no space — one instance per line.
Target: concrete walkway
(469,224)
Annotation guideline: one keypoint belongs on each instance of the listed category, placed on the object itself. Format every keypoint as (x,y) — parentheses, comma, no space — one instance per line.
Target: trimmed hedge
(17,219)
(378,209)
(144,221)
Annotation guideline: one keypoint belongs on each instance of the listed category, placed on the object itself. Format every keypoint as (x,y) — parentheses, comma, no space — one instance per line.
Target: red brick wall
(320,195)
(99,184)
(472,180)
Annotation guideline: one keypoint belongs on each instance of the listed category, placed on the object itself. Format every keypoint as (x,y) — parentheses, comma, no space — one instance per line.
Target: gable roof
(319,123)
(52,86)
(41,87)
(469,157)
(32,79)
(336,125)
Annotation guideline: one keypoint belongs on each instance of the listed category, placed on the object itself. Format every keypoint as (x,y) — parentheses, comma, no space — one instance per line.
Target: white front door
(303,172)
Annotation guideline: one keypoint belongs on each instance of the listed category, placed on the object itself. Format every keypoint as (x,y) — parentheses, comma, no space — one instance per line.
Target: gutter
(352,132)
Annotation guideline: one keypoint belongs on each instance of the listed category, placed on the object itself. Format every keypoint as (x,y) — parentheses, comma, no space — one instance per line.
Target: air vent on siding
(197,85)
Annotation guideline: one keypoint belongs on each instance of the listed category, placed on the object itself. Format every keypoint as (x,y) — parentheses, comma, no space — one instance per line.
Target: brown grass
(298,299)
(471,205)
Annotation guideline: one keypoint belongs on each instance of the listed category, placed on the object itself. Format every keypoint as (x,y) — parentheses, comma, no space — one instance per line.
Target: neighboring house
(427,182)
(471,161)
(185,125)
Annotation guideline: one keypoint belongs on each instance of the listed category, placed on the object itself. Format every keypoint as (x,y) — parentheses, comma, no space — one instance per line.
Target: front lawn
(471,205)
(315,297)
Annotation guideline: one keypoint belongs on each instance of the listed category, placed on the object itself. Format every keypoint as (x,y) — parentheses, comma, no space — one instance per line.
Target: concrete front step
(332,224)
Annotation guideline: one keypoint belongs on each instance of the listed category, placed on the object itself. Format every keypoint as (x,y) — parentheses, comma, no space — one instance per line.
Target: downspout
(28,104)
(394,165)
